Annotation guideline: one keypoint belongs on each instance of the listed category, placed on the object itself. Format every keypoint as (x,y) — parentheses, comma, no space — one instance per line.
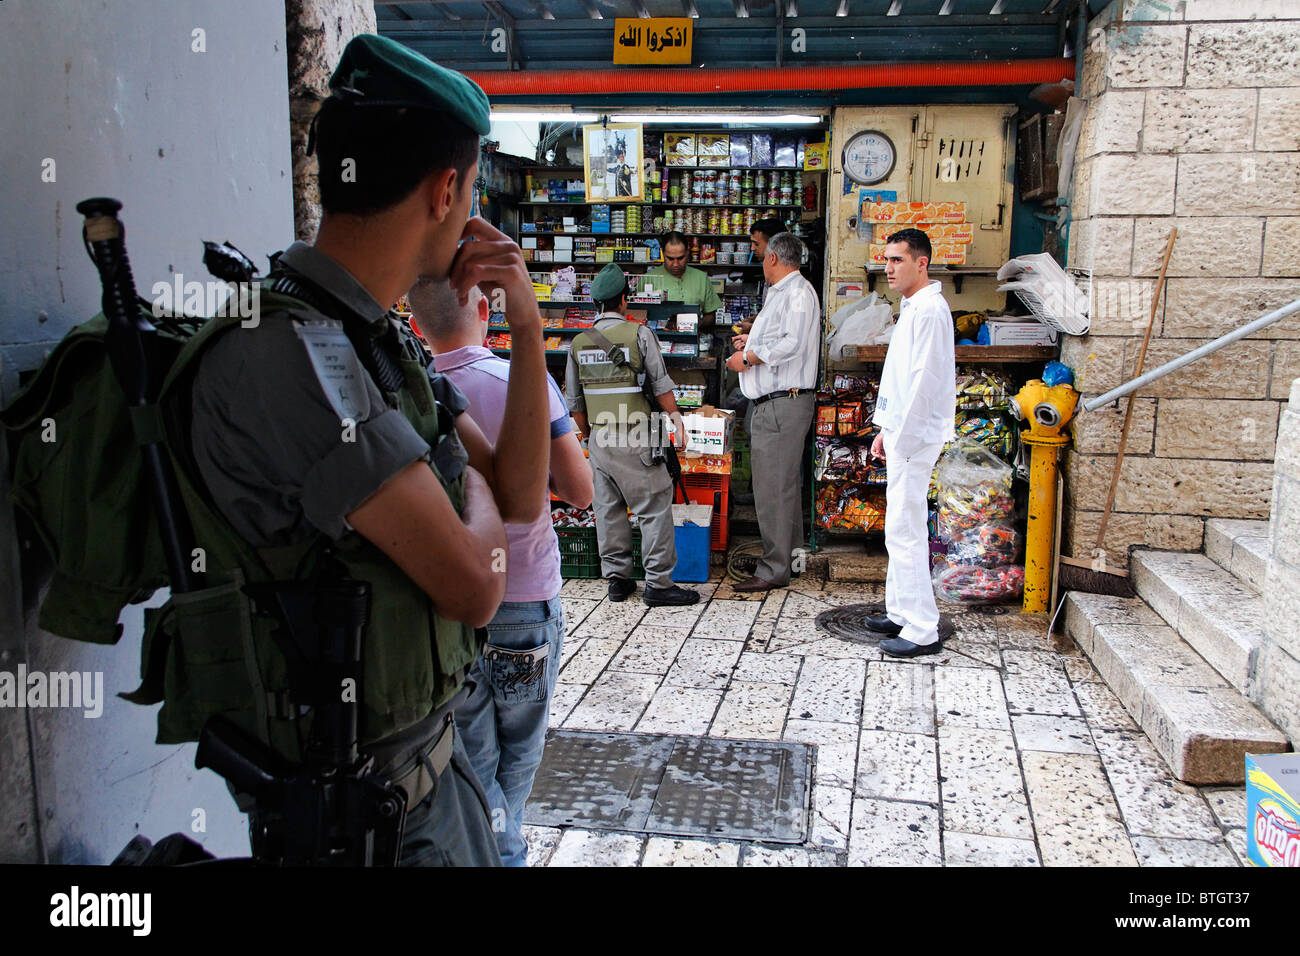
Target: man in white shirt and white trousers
(915,411)
(777,364)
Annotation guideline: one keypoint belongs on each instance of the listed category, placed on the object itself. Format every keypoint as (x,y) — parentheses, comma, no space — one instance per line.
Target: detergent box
(1273,809)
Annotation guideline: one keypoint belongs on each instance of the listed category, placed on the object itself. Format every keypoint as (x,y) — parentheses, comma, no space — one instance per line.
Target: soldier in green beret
(324,438)
(608,368)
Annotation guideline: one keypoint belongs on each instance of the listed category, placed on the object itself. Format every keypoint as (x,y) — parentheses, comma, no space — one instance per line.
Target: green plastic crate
(580,554)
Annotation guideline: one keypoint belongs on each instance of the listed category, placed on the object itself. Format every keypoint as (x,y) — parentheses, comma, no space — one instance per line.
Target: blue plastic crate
(692,553)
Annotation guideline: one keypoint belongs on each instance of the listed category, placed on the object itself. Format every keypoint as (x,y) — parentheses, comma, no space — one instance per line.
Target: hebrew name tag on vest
(600,356)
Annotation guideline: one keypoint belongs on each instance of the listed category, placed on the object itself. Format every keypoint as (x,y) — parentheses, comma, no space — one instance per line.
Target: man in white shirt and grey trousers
(915,410)
(777,362)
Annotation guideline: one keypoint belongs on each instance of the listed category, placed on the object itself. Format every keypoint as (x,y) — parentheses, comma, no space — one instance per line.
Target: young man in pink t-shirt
(503,723)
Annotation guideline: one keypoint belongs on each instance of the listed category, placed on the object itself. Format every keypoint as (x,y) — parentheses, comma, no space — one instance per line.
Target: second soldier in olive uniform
(609,405)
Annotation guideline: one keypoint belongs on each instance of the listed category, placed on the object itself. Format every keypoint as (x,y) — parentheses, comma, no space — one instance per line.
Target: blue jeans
(503,723)
(450,827)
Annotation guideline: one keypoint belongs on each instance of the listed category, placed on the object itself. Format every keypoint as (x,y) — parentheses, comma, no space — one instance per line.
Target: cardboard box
(912,213)
(962,232)
(1273,809)
(708,431)
(694,463)
(941,253)
(1033,332)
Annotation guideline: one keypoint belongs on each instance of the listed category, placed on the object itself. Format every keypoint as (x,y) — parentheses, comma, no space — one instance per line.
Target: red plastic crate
(712,490)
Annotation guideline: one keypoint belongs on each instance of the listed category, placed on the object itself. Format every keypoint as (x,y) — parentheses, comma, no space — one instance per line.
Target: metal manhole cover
(685,786)
(848,623)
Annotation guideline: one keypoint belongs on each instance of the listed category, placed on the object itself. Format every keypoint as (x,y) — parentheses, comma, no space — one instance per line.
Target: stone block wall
(316,33)
(1279,666)
(1193,122)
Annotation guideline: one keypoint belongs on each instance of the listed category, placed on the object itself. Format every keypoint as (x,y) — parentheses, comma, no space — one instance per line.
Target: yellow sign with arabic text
(655,40)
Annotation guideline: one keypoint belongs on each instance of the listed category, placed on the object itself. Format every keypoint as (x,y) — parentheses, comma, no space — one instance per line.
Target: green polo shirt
(692,288)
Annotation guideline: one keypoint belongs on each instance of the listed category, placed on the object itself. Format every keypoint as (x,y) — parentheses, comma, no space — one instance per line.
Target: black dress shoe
(898,647)
(673,596)
(620,589)
(881,624)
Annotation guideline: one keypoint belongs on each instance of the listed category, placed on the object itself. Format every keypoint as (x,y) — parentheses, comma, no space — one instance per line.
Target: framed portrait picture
(611,160)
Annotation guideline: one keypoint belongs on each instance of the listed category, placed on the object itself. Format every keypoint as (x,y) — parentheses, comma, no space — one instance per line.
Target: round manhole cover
(848,623)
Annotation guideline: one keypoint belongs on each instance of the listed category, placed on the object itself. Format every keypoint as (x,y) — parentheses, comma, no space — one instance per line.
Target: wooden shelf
(597,266)
(975,354)
(694,362)
(574,330)
(671,203)
(738,237)
(936,272)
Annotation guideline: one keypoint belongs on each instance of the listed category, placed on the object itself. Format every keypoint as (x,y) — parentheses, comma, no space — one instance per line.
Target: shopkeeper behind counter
(684,283)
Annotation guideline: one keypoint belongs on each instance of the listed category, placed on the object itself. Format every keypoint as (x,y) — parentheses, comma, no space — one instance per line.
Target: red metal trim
(863,76)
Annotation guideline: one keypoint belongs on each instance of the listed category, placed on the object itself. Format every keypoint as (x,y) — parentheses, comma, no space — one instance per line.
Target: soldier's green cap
(377,71)
(609,283)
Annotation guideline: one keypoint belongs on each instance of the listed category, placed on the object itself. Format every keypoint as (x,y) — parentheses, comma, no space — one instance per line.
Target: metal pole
(1172,366)
(1080,40)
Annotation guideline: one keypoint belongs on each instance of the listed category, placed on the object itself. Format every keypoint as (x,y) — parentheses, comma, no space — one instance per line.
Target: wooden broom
(1074,573)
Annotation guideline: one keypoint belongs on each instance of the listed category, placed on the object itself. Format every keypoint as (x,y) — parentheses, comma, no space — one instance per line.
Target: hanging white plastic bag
(864,321)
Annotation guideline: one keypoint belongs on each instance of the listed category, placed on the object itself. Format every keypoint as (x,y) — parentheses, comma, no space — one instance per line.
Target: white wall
(196,146)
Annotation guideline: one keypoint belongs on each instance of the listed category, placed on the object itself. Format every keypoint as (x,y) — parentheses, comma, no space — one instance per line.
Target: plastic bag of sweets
(986,546)
(964,584)
(972,488)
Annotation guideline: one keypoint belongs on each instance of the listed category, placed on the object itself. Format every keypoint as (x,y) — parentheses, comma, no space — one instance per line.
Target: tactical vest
(213,651)
(611,388)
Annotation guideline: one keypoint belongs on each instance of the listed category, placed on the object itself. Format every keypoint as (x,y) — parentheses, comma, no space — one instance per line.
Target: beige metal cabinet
(952,153)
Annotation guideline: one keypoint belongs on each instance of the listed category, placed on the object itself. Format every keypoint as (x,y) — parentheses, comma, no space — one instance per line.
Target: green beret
(609,283)
(377,71)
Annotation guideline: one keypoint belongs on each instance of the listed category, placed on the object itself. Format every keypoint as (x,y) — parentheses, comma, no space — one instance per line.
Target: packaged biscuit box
(962,232)
(713,144)
(915,212)
(1273,809)
(941,253)
(679,144)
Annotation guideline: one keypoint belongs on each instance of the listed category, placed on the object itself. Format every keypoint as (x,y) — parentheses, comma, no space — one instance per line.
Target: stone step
(1241,547)
(1201,726)
(1210,609)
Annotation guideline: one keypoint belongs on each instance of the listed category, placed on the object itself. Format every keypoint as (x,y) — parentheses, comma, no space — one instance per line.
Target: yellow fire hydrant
(1047,408)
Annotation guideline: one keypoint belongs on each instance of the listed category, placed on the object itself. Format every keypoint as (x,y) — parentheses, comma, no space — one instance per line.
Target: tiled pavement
(1007,749)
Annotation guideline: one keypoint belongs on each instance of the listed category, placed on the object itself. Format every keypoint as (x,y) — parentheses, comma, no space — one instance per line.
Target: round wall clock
(869,157)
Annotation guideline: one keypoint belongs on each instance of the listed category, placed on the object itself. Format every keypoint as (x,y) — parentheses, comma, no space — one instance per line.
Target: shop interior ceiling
(484,36)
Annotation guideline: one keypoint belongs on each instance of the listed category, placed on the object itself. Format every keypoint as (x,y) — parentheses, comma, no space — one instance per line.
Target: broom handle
(1128,412)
